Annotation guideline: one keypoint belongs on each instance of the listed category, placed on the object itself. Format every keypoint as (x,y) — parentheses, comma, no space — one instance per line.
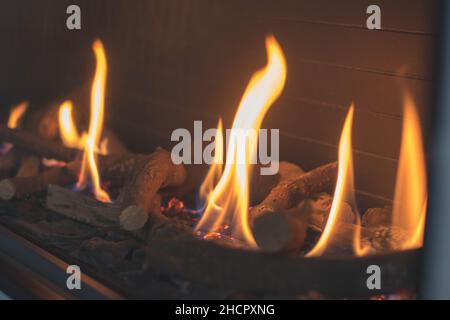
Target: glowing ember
(344,192)
(410,201)
(229,200)
(89,166)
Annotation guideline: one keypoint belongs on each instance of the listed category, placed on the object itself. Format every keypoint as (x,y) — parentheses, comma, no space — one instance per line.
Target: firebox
(223,149)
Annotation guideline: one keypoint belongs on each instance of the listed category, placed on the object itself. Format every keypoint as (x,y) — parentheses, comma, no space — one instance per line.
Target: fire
(344,192)
(69,133)
(16,115)
(410,200)
(229,200)
(91,140)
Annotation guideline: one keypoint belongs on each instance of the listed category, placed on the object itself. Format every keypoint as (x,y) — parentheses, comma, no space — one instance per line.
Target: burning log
(281,232)
(116,168)
(145,227)
(37,146)
(285,231)
(288,194)
(149,176)
(20,186)
(265,184)
(92,212)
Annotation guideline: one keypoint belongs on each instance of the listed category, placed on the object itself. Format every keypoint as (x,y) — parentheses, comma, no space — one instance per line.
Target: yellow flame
(216,169)
(16,115)
(344,192)
(410,199)
(68,131)
(89,165)
(230,198)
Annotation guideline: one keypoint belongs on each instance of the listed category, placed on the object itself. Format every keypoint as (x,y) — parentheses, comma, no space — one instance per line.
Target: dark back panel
(175,61)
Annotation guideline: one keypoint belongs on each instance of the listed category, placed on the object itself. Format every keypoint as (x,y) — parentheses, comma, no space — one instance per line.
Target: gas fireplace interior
(105,131)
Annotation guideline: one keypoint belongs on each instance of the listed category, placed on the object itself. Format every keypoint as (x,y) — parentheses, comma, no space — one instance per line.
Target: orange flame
(16,115)
(344,192)
(89,166)
(230,198)
(410,200)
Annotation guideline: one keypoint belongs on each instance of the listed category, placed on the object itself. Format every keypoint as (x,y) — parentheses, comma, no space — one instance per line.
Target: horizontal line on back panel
(341,107)
(368,70)
(330,145)
(374,196)
(344,25)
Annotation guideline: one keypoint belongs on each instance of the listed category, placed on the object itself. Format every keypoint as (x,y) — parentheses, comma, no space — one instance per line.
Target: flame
(92,139)
(216,169)
(68,131)
(410,199)
(16,115)
(344,192)
(230,198)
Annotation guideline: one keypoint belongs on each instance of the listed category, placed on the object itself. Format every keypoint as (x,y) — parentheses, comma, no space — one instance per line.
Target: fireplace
(95,173)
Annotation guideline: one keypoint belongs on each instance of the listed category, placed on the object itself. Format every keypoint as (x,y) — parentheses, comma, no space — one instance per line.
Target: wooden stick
(155,173)
(282,231)
(18,187)
(288,194)
(261,185)
(115,168)
(90,211)
(37,146)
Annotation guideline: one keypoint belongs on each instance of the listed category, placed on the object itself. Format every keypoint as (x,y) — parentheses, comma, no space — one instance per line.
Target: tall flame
(89,167)
(410,200)
(230,198)
(16,114)
(344,192)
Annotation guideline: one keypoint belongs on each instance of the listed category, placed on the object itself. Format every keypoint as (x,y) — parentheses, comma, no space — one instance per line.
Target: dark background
(175,61)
